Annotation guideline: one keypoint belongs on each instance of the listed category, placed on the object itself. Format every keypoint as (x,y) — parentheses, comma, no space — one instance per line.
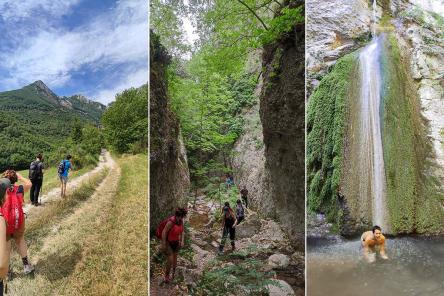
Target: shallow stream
(415,268)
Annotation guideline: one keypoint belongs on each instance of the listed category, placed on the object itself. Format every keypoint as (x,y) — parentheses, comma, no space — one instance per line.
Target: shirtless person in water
(371,240)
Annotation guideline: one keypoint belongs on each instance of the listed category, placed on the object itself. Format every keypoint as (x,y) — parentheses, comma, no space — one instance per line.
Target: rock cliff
(169,175)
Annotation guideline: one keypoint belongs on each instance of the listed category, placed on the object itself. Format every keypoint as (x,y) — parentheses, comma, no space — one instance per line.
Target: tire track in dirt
(58,259)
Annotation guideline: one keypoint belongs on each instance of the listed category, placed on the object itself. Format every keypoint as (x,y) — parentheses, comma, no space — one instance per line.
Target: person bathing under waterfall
(371,242)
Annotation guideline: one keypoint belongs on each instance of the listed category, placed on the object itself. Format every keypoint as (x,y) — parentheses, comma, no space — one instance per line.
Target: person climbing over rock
(372,241)
(5,184)
(244,196)
(12,211)
(36,171)
(229,223)
(63,170)
(173,239)
(240,212)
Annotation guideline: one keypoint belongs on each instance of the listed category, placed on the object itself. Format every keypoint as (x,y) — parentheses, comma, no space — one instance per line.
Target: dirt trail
(265,235)
(58,257)
(105,160)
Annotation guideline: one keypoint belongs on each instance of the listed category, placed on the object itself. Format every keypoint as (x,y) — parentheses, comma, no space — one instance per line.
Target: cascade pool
(415,268)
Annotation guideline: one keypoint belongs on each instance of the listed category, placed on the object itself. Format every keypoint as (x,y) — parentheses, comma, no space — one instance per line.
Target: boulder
(280,288)
(249,227)
(278,261)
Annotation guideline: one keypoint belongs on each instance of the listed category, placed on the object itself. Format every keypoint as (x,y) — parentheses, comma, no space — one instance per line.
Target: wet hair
(11,175)
(181,212)
(4,185)
(376,227)
(68,156)
(39,156)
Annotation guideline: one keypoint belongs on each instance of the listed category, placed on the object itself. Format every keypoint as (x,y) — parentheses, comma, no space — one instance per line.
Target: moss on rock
(325,134)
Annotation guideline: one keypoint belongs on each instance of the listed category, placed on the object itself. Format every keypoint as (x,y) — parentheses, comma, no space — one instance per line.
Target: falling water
(370,151)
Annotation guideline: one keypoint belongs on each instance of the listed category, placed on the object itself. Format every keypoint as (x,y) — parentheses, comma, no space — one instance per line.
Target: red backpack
(162,224)
(12,209)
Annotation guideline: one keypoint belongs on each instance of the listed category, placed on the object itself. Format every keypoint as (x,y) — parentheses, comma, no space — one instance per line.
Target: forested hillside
(33,119)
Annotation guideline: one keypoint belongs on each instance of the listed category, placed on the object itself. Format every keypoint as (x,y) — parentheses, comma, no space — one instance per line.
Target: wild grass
(54,212)
(115,261)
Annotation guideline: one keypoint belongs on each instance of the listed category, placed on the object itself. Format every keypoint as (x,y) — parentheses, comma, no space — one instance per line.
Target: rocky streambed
(264,262)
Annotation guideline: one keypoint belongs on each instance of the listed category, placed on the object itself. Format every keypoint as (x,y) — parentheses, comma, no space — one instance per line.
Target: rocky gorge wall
(269,156)
(282,111)
(169,175)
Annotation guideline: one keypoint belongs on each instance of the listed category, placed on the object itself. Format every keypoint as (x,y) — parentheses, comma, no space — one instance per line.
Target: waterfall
(371,158)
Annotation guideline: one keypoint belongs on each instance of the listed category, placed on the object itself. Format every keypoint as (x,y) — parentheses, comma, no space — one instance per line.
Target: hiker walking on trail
(5,184)
(240,212)
(229,181)
(12,211)
(171,232)
(244,196)
(229,223)
(36,170)
(63,170)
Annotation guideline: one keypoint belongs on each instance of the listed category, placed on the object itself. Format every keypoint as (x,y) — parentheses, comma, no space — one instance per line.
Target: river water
(415,268)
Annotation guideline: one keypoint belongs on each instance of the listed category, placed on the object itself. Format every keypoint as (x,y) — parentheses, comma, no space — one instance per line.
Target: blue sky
(96,48)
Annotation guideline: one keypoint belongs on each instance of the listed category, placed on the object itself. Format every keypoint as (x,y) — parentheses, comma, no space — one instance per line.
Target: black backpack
(61,167)
(35,170)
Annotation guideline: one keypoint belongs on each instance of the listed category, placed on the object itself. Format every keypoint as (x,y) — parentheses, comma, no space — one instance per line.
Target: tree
(126,121)
(76,132)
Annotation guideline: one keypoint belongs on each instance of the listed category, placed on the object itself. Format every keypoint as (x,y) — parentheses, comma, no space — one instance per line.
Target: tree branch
(254,13)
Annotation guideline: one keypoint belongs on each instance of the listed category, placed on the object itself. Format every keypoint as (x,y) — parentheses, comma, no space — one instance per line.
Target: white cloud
(135,79)
(117,37)
(13,10)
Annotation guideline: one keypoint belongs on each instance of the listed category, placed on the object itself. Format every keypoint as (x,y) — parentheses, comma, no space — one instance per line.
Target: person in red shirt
(173,238)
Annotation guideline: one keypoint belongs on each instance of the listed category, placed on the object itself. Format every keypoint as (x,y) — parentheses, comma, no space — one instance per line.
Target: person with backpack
(229,223)
(240,212)
(36,170)
(172,235)
(244,196)
(12,211)
(63,170)
(5,184)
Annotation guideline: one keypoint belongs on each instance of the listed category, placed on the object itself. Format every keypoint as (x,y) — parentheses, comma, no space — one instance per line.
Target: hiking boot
(28,268)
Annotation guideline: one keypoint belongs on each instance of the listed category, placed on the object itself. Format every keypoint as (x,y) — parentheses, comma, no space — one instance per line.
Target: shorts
(63,179)
(174,245)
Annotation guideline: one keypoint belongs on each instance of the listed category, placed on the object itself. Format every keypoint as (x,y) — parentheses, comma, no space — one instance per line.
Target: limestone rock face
(421,36)
(169,175)
(249,161)
(334,28)
(282,111)
(269,156)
